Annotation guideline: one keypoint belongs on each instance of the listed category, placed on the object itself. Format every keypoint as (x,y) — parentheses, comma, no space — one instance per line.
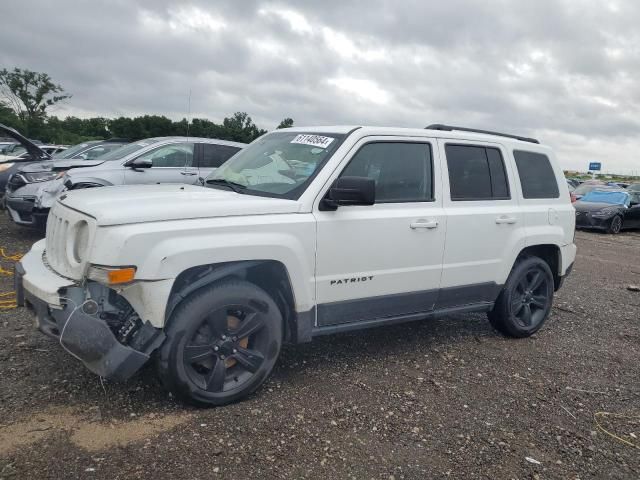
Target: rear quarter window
(537,177)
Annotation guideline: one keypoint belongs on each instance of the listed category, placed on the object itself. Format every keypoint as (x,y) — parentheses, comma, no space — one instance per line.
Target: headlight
(111,275)
(78,242)
(5,166)
(42,176)
(605,212)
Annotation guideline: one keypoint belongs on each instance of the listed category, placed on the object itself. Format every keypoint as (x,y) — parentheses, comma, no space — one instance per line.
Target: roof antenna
(193,151)
(189,114)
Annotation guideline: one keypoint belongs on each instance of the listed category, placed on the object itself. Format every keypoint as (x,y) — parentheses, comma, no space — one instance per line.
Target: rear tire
(616,225)
(526,300)
(222,343)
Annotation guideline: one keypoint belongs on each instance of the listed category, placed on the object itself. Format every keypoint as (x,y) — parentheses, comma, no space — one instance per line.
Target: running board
(379,322)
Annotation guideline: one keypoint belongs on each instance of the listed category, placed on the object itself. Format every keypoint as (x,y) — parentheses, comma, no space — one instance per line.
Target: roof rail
(449,128)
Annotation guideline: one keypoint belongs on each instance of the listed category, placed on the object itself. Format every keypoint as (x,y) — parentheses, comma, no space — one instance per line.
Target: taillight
(574,199)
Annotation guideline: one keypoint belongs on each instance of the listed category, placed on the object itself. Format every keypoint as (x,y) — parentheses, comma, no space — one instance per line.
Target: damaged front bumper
(65,311)
(23,212)
(29,205)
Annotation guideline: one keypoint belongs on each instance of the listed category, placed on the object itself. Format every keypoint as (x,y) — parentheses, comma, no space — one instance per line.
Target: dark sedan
(608,210)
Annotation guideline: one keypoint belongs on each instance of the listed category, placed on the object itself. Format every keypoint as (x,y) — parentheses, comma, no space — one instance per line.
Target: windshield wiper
(236,187)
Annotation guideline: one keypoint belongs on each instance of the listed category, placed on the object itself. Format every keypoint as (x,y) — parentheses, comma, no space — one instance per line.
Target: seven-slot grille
(57,229)
(60,226)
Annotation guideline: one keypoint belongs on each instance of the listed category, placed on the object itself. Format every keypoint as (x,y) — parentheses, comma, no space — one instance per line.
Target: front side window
(175,155)
(402,171)
(279,164)
(476,173)
(537,178)
(215,155)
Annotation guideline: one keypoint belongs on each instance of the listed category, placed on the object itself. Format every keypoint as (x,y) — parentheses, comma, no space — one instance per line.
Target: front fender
(163,250)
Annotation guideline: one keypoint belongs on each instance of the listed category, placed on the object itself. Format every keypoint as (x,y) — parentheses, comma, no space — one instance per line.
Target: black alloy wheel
(616,225)
(227,348)
(222,342)
(530,299)
(526,300)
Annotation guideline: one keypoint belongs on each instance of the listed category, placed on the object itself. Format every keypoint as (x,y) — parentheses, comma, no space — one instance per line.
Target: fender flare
(175,297)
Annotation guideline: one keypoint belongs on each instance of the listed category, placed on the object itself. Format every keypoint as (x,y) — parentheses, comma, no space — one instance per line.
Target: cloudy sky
(565,71)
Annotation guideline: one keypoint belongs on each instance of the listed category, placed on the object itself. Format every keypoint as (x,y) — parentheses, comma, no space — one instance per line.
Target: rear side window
(476,173)
(537,178)
(215,155)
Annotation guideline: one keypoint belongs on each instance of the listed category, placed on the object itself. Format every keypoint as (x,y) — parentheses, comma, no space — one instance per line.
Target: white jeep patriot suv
(306,232)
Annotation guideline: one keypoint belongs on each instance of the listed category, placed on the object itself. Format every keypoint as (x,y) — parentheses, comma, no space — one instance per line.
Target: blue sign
(595,166)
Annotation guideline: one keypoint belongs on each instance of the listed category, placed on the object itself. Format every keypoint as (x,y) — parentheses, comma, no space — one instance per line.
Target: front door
(632,215)
(383,260)
(172,163)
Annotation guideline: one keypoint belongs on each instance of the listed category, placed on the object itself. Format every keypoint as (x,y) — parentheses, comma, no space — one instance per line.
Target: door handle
(422,224)
(188,173)
(503,219)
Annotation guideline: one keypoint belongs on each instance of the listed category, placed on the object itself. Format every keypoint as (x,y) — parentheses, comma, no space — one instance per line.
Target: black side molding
(450,128)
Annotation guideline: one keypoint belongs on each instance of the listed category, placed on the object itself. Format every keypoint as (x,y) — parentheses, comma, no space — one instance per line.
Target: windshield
(612,198)
(128,149)
(70,152)
(279,164)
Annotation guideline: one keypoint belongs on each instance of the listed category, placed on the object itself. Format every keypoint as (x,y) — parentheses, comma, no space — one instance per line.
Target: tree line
(26,96)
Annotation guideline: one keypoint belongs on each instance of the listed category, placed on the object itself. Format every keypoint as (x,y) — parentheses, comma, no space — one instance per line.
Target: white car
(305,232)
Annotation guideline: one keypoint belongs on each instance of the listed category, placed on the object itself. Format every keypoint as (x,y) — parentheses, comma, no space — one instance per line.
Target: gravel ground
(437,399)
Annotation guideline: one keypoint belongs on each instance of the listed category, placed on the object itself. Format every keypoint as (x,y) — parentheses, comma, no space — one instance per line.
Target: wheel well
(270,275)
(550,254)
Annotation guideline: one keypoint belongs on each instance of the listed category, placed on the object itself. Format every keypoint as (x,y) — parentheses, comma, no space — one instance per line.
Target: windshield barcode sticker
(314,140)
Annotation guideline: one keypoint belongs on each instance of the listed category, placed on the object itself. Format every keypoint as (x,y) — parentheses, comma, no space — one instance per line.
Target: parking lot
(437,399)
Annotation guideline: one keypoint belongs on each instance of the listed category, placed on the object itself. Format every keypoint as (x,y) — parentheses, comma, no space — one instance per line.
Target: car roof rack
(450,128)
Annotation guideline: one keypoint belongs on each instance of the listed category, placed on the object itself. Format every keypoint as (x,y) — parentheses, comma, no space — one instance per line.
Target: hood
(34,151)
(153,203)
(593,206)
(62,164)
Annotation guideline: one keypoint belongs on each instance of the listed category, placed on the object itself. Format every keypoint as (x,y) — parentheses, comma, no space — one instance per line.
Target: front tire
(526,300)
(222,343)
(616,225)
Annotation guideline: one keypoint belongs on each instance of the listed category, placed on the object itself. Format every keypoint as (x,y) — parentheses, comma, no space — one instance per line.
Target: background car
(590,186)
(573,183)
(24,163)
(571,187)
(608,210)
(634,187)
(30,195)
(28,151)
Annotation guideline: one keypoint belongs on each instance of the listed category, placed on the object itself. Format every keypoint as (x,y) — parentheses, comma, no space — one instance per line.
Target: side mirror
(139,163)
(347,191)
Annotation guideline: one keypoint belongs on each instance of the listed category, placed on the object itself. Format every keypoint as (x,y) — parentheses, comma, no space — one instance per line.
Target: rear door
(212,155)
(484,222)
(171,163)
